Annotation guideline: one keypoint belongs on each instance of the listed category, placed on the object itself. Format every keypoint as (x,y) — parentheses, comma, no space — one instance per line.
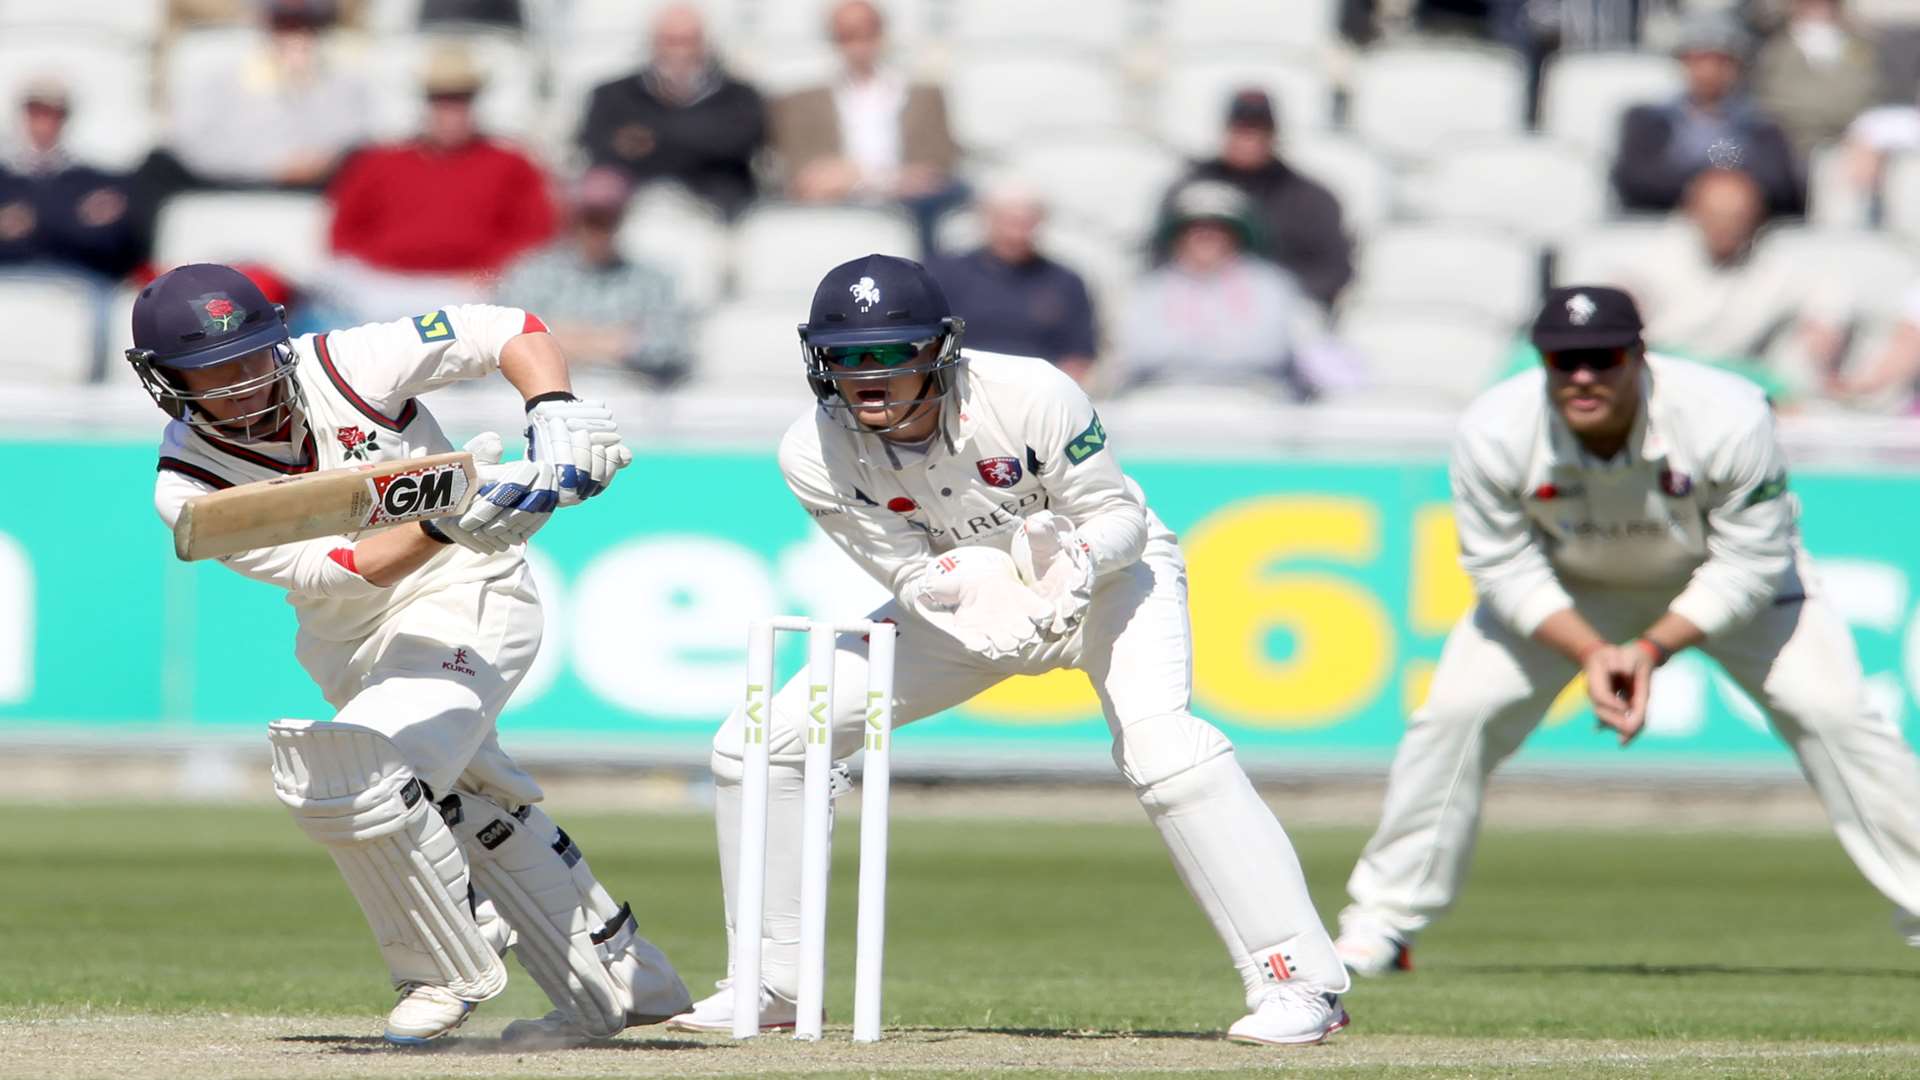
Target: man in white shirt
(1615,508)
(980,489)
(417,634)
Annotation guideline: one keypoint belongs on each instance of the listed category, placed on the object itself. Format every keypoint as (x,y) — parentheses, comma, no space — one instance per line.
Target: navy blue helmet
(203,315)
(885,310)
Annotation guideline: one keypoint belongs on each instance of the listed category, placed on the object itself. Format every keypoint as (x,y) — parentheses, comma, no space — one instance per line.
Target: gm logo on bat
(416,494)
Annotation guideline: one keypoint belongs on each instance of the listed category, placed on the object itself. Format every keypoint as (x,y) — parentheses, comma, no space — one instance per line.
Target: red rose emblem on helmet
(221,312)
(218,308)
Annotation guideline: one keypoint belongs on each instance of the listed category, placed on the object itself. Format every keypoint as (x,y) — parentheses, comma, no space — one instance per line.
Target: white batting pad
(584,950)
(350,790)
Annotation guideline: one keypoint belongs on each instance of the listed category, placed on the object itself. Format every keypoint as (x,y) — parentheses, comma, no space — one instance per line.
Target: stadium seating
(669,229)
(1112,181)
(780,251)
(1876,270)
(751,348)
(1413,101)
(1534,187)
(1598,255)
(1900,192)
(1448,264)
(111,120)
(1295,24)
(287,231)
(1833,200)
(1001,97)
(63,317)
(1432,356)
(1098,26)
(1192,100)
(1355,174)
(1584,95)
(135,21)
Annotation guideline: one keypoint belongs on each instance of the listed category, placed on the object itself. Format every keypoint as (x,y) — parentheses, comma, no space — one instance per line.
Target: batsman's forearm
(534,364)
(385,558)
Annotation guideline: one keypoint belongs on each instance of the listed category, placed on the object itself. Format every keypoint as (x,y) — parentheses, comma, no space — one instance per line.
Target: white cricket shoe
(1370,955)
(425,1013)
(1290,1015)
(715,1012)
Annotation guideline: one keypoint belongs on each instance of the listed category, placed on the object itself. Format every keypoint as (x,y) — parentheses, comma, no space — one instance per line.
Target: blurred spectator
(420,224)
(283,116)
(1013,298)
(1711,125)
(681,118)
(871,135)
(56,213)
(1299,220)
(1815,75)
(1215,314)
(503,14)
(605,310)
(1712,295)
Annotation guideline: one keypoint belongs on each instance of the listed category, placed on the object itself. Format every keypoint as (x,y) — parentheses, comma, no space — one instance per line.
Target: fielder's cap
(451,72)
(1713,32)
(1250,108)
(1586,317)
(876,300)
(48,91)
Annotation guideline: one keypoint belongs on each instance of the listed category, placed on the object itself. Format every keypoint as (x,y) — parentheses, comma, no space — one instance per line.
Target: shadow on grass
(1674,970)
(1063,1033)
(456,1045)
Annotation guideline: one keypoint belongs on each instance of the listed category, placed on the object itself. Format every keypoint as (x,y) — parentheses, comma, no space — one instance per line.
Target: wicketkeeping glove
(1054,562)
(582,443)
(515,499)
(974,594)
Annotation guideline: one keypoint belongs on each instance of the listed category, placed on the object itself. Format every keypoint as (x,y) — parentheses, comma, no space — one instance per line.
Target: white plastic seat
(62,317)
(1414,101)
(999,98)
(1461,266)
(509,103)
(111,122)
(1608,254)
(136,21)
(750,347)
(287,231)
(1112,181)
(1356,175)
(782,251)
(1875,270)
(1431,356)
(1534,187)
(1294,24)
(1834,202)
(1193,97)
(668,228)
(1900,190)
(1584,95)
(1084,25)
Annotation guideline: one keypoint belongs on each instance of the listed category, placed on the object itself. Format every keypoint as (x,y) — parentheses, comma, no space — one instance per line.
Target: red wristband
(1658,652)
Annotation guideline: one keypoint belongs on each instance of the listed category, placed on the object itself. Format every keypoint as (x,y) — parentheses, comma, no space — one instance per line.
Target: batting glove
(1055,563)
(515,499)
(579,440)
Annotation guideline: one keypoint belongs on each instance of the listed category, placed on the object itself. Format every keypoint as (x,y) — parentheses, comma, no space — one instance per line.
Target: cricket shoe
(1291,1015)
(1371,955)
(424,1014)
(715,1012)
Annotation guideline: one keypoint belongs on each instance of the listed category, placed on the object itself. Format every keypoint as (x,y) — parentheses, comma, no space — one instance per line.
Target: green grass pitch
(1666,953)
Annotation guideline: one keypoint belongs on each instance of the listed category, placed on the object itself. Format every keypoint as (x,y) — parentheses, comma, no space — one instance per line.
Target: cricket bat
(325,503)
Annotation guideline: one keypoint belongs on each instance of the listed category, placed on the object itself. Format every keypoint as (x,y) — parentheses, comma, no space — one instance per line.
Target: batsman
(980,489)
(1616,507)
(417,634)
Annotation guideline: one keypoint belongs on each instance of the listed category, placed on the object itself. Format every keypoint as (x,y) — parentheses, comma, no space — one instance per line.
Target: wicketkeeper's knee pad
(584,950)
(350,790)
(1155,750)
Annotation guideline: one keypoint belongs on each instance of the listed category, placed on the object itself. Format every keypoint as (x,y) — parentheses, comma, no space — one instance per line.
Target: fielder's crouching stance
(416,633)
(980,490)
(1619,497)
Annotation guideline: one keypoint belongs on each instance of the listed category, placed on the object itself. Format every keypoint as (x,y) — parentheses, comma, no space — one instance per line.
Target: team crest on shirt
(1001,472)
(1676,484)
(357,444)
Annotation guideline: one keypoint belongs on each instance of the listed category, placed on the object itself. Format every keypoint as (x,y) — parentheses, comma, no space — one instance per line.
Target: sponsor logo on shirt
(433,327)
(458,664)
(1087,443)
(1772,488)
(1001,472)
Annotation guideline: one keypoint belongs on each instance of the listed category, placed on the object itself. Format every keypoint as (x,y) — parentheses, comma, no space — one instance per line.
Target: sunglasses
(891,355)
(1568,361)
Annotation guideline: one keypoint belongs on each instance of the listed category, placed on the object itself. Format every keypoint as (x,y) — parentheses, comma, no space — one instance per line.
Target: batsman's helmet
(200,316)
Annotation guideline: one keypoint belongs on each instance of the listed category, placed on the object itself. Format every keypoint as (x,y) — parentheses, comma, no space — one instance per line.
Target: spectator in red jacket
(419,223)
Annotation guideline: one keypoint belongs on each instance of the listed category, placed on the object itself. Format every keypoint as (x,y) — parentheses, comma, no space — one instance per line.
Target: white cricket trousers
(1796,659)
(1136,648)
(434,676)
